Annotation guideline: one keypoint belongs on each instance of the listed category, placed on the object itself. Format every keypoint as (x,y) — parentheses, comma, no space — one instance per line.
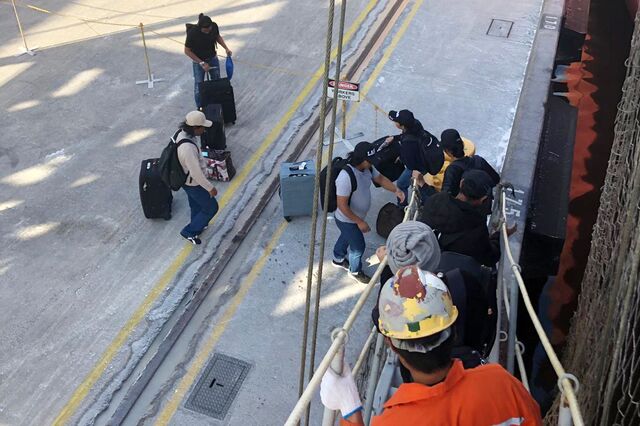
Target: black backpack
(431,153)
(476,299)
(337,165)
(171,171)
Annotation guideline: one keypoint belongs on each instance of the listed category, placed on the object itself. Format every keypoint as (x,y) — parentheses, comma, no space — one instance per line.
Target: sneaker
(344,264)
(361,277)
(195,240)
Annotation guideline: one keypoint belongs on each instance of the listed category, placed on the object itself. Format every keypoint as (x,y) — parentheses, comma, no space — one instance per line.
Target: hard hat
(414,304)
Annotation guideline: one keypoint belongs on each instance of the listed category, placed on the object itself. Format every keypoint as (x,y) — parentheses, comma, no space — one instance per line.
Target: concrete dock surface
(88,282)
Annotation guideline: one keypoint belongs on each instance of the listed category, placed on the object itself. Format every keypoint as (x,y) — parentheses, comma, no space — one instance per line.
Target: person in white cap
(201,192)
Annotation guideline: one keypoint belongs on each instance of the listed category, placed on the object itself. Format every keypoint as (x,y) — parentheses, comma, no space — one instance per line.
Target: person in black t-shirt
(200,46)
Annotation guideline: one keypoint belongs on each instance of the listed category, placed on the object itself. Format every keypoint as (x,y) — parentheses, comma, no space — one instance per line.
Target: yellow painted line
(203,354)
(378,69)
(386,56)
(294,108)
(167,277)
(122,337)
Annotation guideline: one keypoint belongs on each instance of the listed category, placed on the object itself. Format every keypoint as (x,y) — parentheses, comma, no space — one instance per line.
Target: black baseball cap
(403,117)
(363,151)
(476,184)
(451,141)
(204,21)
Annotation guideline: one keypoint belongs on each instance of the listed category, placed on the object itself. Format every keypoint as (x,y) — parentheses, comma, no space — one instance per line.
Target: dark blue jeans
(203,208)
(404,182)
(198,76)
(351,242)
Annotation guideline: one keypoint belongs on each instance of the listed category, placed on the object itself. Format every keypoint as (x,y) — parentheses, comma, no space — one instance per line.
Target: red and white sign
(347,91)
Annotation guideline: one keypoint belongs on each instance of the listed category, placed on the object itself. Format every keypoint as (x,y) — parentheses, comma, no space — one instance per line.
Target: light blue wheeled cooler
(296,188)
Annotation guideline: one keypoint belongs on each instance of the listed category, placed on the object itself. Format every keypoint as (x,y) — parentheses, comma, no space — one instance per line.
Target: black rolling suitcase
(220,92)
(214,137)
(155,195)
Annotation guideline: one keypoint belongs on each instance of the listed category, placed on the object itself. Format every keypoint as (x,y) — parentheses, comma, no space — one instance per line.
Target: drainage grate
(500,28)
(218,386)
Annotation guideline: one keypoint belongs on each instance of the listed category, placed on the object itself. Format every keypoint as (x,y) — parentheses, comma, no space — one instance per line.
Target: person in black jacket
(459,221)
(412,155)
(454,146)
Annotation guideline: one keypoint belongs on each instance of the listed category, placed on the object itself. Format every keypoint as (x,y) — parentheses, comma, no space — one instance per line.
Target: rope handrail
(565,384)
(519,345)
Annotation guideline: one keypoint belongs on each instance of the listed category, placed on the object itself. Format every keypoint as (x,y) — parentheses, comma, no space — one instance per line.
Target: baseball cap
(363,151)
(403,117)
(450,140)
(197,119)
(476,184)
(204,21)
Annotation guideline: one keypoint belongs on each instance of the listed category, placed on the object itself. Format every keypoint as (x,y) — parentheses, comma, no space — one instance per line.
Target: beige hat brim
(208,123)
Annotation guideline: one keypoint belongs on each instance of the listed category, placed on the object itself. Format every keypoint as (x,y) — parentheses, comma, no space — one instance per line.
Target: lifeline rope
(316,191)
(334,111)
(564,382)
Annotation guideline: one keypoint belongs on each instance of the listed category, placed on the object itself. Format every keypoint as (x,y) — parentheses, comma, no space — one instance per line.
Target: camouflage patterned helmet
(415,304)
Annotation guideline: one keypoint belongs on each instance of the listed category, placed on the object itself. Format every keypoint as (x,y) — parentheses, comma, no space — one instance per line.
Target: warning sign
(347,91)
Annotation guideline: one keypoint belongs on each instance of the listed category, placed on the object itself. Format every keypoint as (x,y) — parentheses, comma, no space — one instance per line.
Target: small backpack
(171,171)
(337,165)
(475,298)
(431,153)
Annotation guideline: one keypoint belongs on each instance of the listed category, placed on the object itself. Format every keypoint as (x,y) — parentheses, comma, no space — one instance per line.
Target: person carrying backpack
(200,192)
(414,242)
(453,145)
(420,152)
(461,222)
(353,199)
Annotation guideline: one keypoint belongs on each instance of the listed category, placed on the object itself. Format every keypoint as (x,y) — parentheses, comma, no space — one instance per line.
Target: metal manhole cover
(500,28)
(218,386)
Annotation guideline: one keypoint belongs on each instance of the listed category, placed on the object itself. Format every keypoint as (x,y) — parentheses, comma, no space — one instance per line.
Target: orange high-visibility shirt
(483,396)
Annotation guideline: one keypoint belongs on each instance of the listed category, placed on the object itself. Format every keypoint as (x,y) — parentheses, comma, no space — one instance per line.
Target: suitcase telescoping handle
(298,166)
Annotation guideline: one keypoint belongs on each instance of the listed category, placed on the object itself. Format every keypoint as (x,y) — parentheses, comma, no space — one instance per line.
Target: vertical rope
(316,190)
(334,111)
(344,117)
